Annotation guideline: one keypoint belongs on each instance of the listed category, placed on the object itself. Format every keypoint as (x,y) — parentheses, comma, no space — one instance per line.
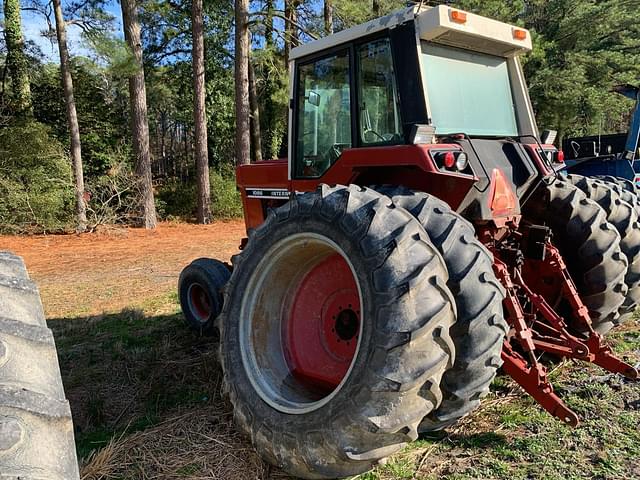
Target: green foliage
(225,198)
(36,193)
(16,61)
(102,111)
(176,199)
(114,52)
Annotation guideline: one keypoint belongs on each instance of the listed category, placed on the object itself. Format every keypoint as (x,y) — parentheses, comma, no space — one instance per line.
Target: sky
(33,24)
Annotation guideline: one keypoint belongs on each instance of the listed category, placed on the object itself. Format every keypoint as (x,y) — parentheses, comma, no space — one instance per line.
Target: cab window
(324,114)
(378,105)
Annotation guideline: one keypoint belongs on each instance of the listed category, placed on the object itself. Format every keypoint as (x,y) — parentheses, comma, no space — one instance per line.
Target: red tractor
(416,240)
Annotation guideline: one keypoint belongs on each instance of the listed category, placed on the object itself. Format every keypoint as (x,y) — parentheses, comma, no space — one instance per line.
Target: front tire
(328,423)
(200,292)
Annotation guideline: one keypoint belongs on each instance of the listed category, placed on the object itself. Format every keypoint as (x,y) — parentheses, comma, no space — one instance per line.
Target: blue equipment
(616,155)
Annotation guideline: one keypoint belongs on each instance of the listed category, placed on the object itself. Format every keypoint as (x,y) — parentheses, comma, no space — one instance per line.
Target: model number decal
(268,193)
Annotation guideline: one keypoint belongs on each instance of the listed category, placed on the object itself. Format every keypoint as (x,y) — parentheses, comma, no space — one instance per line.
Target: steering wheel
(375,134)
(385,137)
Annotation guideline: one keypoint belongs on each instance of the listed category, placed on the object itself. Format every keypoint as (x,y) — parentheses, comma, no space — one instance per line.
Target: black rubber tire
(36,429)
(589,245)
(623,216)
(623,183)
(625,188)
(405,345)
(211,275)
(480,327)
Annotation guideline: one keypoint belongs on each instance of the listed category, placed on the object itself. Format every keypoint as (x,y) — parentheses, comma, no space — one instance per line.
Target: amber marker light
(519,34)
(458,16)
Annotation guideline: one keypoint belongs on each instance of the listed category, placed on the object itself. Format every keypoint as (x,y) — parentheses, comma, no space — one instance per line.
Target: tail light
(502,200)
(559,156)
(451,160)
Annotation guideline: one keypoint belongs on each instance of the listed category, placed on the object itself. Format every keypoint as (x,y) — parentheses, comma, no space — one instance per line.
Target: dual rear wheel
(339,324)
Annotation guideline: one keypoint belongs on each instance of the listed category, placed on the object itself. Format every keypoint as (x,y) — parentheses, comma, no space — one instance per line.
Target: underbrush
(177,199)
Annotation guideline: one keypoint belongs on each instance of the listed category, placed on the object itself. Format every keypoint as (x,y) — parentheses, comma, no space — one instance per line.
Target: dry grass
(199,444)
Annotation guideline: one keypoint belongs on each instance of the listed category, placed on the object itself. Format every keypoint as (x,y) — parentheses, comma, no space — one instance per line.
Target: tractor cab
(430,98)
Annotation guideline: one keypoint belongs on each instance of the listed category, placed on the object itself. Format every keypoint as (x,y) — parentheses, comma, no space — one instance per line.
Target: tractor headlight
(462,162)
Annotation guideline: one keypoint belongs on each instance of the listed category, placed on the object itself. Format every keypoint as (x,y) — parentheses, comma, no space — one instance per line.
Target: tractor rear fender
(266,185)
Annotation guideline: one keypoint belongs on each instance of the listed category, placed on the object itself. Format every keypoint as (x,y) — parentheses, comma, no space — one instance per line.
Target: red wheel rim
(287,333)
(322,328)
(199,302)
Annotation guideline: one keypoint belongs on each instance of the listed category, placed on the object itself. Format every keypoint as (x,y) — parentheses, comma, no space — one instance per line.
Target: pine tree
(72,117)
(243,142)
(139,121)
(16,62)
(200,114)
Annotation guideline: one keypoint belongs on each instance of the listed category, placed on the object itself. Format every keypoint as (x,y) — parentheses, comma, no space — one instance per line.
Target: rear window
(468,92)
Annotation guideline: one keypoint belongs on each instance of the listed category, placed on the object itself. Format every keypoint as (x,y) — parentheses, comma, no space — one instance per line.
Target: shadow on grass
(126,372)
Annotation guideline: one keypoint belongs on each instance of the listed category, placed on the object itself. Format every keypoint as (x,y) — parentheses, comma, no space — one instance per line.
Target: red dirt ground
(116,268)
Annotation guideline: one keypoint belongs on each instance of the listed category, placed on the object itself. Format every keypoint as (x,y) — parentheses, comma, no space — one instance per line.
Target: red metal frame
(544,331)
(407,165)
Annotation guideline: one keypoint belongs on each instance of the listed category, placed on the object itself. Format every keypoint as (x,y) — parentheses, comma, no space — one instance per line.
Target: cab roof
(442,24)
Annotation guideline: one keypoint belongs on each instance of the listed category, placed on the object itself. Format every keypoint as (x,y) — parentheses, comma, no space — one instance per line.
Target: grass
(147,403)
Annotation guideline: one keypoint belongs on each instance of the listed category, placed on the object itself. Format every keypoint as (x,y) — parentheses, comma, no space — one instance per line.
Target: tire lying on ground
(624,218)
(36,430)
(589,245)
(480,326)
(200,291)
(335,332)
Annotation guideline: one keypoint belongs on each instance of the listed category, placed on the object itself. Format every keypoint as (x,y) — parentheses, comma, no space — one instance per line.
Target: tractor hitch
(539,329)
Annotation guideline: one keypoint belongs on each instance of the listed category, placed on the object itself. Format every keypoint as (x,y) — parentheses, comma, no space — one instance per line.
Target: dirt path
(118,268)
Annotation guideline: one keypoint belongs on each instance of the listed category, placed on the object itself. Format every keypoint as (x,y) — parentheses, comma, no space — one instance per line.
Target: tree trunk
(256,137)
(16,62)
(328,17)
(268,23)
(376,8)
(72,117)
(139,120)
(290,30)
(242,83)
(200,115)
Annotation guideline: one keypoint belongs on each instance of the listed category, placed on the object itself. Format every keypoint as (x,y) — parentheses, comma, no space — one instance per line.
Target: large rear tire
(36,429)
(623,216)
(337,252)
(589,245)
(480,327)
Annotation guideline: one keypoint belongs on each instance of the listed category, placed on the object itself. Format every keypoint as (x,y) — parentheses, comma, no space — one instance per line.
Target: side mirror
(548,137)
(314,99)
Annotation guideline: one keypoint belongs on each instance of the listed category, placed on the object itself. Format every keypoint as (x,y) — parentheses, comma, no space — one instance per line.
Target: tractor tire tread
(589,245)
(480,327)
(36,427)
(624,218)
